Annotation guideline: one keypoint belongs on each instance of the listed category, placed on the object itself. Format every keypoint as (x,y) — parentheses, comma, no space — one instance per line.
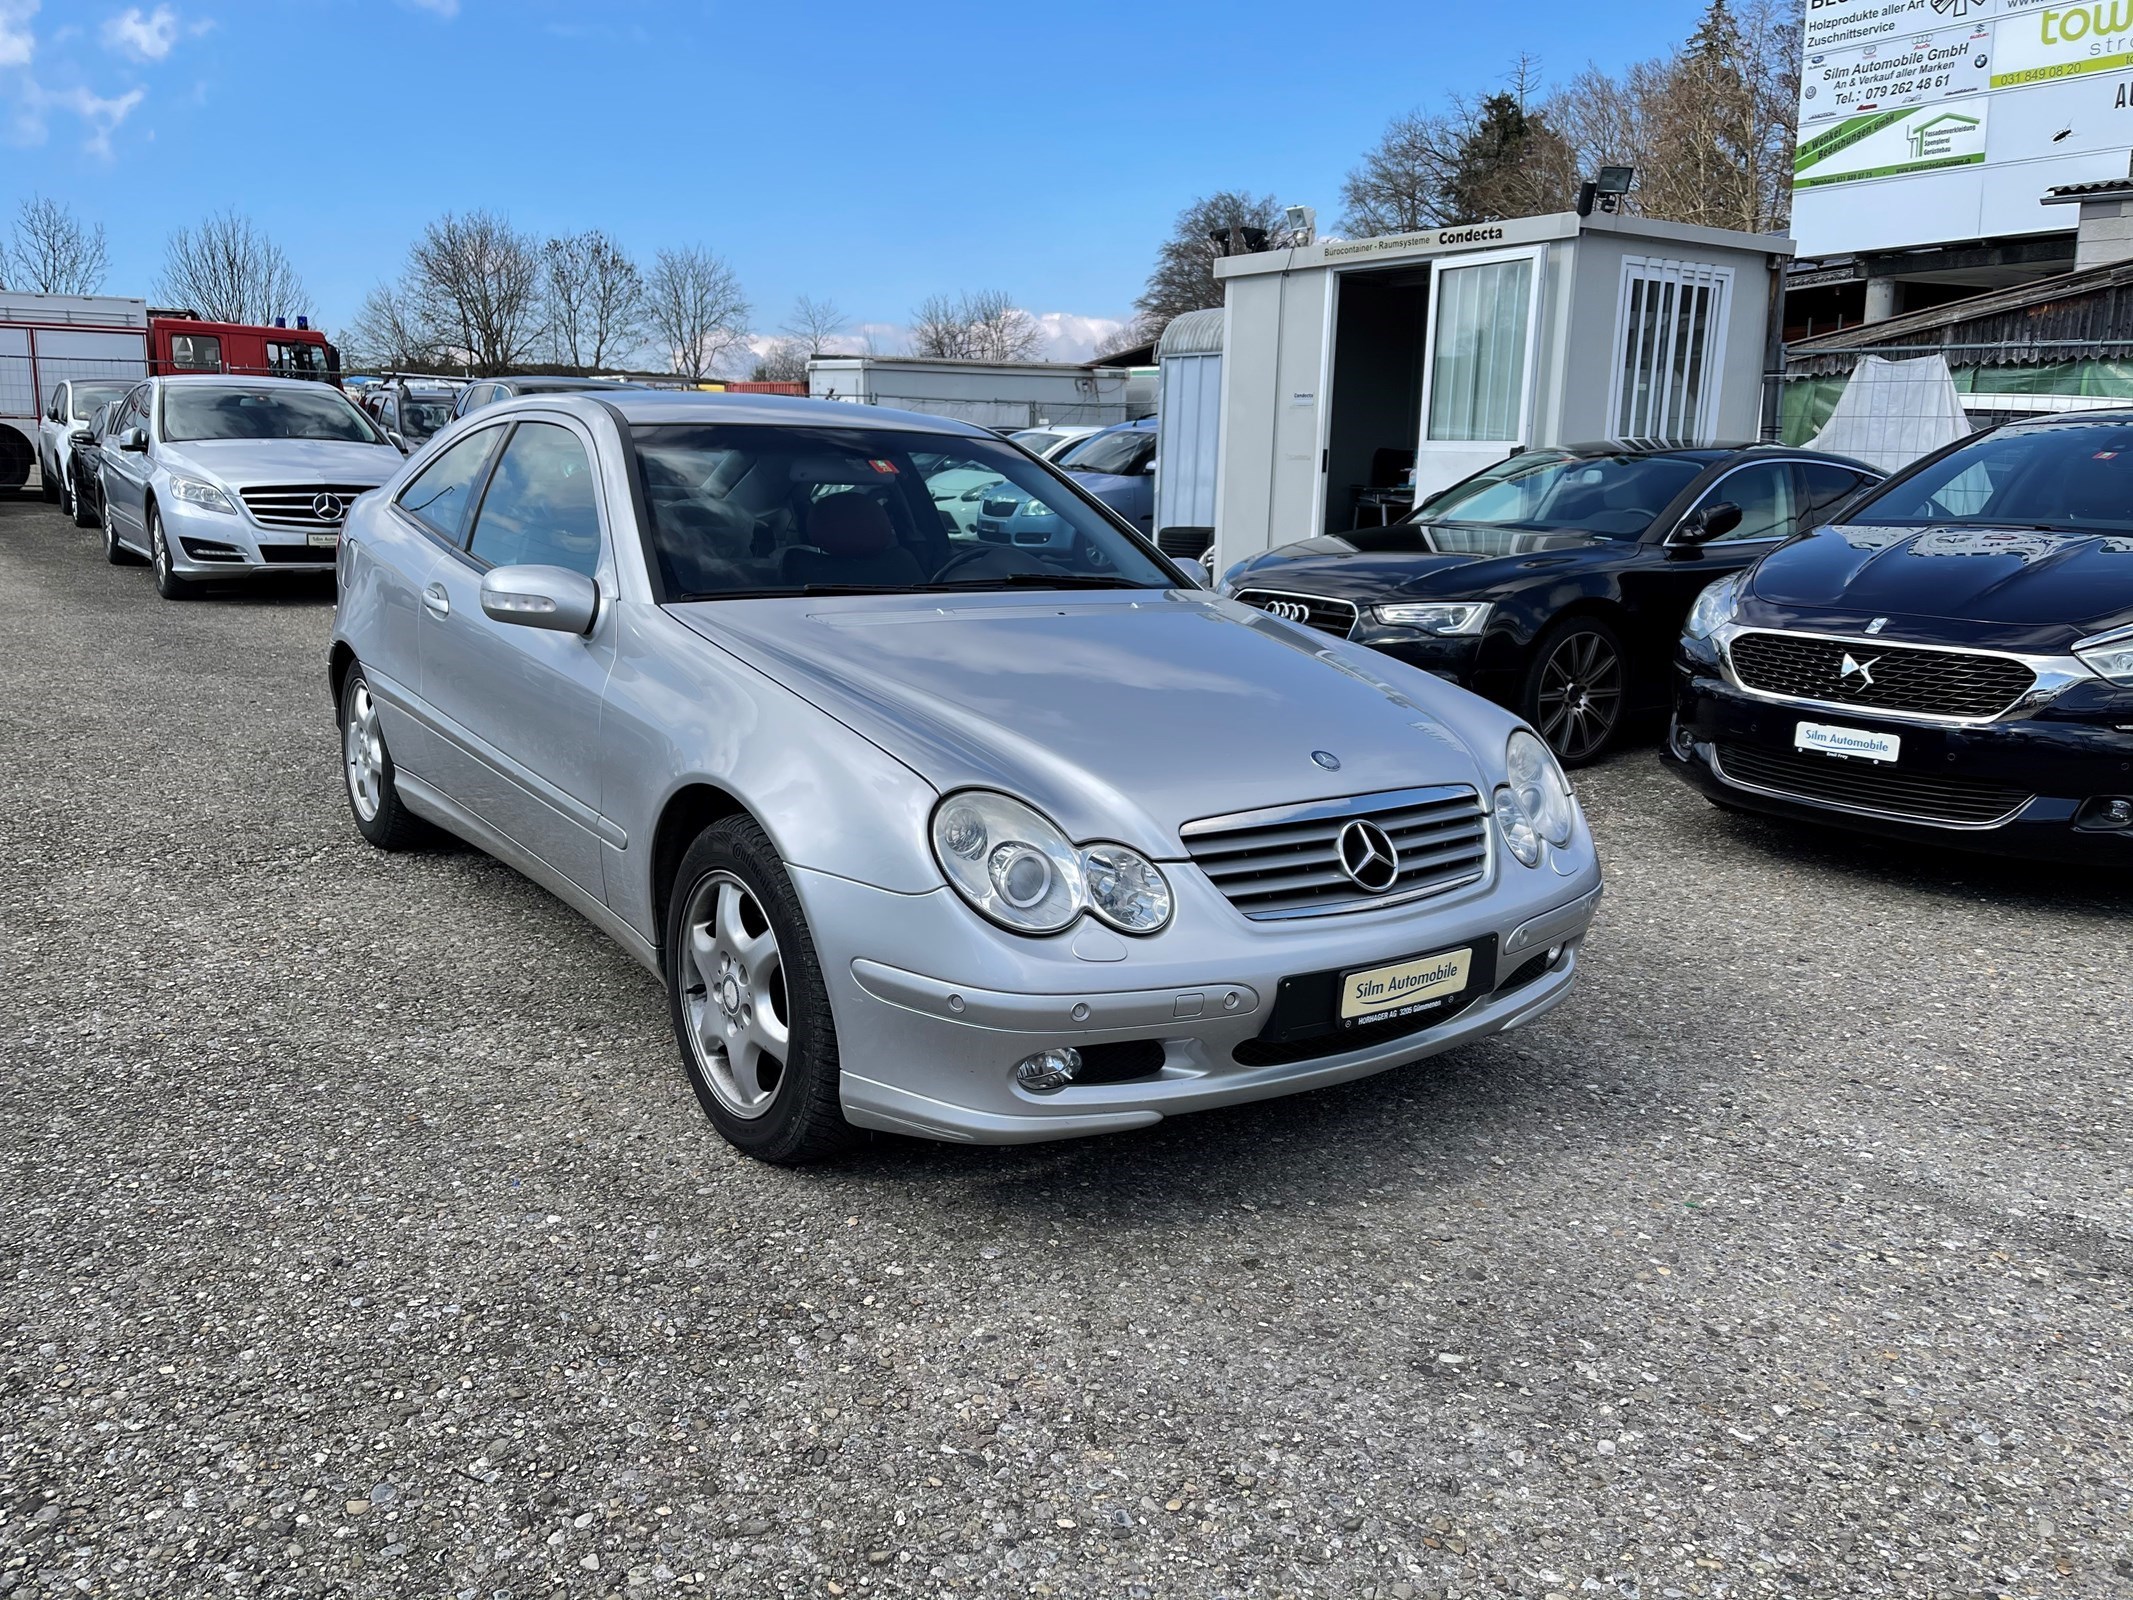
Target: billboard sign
(1935,121)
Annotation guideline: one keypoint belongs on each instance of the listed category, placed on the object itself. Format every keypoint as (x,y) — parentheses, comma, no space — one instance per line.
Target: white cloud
(1069,337)
(442,8)
(102,114)
(17,43)
(145,36)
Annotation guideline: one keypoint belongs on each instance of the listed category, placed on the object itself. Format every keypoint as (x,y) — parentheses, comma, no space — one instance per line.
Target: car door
(51,435)
(517,710)
(1823,486)
(126,471)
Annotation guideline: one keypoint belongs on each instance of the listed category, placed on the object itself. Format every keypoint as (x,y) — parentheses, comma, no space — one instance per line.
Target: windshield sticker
(880,465)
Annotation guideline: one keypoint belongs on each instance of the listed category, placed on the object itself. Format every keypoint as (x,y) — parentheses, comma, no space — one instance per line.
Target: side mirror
(134,439)
(82,437)
(398,443)
(1702,526)
(554,598)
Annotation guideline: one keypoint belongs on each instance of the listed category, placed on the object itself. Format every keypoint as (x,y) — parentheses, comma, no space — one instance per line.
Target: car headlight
(195,492)
(1714,607)
(2109,656)
(1126,889)
(1444,617)
(1014,865)
(1538,785)
(1035,508)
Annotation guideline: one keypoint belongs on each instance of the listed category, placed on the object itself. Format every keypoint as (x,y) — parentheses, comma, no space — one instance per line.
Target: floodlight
(1616,180)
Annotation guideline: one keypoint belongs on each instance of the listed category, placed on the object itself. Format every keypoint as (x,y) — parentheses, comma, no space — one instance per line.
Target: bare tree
(229,271)
(1401,185)
(387,334)
(53,253)
(978,325)
(940,330)
(1215,225)
(473,284)
(814,323)
(782,361)
(594,299)
(696,310)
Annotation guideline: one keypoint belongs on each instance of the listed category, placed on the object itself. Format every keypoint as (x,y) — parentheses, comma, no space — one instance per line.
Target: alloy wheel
(733,991)
(363,749)
(159,548)
(1580,695)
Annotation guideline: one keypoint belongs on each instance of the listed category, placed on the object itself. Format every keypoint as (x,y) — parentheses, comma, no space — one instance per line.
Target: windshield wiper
(1054,580)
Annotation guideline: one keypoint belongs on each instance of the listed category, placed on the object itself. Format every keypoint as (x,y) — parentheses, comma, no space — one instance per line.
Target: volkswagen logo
(1287,610)
(1368,856)
(328,508)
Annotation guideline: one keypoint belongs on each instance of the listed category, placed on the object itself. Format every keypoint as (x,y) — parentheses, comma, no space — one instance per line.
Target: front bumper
(2054,765)
(934,1006)
(210,544)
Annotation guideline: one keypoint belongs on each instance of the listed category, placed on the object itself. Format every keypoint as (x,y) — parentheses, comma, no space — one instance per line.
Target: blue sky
(869,153)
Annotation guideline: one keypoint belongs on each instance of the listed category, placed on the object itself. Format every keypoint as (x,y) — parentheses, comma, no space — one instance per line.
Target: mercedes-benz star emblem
(1287,610)
(1368,856)
(1862,670)
(328,508)
(1327,759)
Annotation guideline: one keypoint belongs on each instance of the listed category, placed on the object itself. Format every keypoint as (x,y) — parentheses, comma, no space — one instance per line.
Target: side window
(196,352)
(1822,486)
(1764,494)
(56,408)
(540,508)
(439,495)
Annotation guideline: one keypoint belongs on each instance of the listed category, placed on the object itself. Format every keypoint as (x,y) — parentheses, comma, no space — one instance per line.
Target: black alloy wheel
(1576,689)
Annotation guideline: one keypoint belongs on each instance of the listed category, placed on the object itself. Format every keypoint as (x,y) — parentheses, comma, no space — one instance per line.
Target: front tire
(82,516)
(168,584)
(751,1013)
(367,768)
(47,483)
(1576,691)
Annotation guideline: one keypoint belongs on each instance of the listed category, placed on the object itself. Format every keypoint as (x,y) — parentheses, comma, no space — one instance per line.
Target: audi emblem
(1368,856)
(1287,610)
(328,508)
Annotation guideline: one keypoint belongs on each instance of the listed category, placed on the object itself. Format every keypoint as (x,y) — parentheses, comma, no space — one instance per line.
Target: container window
(1477,389)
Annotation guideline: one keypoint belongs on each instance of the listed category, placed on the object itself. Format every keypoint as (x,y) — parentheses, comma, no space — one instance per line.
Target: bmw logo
(1327,759)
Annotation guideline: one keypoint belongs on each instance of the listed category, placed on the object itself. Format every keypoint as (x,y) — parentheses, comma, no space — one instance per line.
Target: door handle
(436,602)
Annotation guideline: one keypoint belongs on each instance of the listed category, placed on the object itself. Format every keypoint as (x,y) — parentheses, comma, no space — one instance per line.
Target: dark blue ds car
(1952,661)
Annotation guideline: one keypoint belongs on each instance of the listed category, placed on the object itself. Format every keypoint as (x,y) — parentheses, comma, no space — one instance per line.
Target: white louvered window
(1670,341)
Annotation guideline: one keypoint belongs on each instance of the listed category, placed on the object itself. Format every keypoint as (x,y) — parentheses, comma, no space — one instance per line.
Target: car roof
(2114,414)
(1706,452)
(528,382)
(234,380)
(653,407)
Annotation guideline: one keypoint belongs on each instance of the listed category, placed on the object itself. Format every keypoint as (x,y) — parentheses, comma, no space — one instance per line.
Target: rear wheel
(1577,689)
(750,1010)
(168,584)
(373,796)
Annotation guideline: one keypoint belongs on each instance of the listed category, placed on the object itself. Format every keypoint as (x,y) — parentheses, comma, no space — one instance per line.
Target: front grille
(999,508)
(1870,786)
(1881,677)
(1286,862)
(1328,616)
(296,505)
(296,554)
(1285,1052)
(1185,544)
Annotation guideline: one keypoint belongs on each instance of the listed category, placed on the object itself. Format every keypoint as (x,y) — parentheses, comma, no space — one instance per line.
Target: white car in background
(67,410)
(1048,441)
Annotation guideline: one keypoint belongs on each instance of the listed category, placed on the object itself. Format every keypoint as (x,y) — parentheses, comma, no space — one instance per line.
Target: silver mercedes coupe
(924,831)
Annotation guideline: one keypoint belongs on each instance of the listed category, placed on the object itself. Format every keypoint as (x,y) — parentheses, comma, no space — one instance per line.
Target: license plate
(1376,993)
(1860,743)
(323,541)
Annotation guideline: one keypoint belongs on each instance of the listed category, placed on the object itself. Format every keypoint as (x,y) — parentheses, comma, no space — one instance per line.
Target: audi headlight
(1538,784)
(1443,617)
(2109,656)
(195,492)
(1714,608)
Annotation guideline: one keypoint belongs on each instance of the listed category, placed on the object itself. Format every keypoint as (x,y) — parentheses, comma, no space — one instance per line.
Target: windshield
(1121,454)
(739,510)
(1613,497)
(89,398)
(1034,440)
(423,415)
(234,411)
(2073,475)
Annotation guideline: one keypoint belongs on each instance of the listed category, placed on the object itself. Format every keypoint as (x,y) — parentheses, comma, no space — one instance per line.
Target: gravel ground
(359,1235)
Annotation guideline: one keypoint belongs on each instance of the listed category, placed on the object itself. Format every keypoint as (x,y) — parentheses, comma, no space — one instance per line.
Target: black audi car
(1556,582)
(1952,661)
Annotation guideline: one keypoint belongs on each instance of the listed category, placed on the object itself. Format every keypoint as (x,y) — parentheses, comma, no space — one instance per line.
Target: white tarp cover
(1893,412)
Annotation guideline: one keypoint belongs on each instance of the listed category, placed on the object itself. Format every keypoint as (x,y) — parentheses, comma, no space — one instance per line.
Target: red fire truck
(179,341)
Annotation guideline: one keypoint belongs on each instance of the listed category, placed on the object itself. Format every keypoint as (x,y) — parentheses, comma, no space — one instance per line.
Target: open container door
(1484,336)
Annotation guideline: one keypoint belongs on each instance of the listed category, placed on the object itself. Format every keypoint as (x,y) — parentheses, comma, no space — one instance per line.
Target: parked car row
(1945,654)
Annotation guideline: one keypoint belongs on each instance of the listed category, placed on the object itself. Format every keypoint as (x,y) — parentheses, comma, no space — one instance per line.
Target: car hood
(1122,716)
(1428,559)
(248,461)
(2038,588)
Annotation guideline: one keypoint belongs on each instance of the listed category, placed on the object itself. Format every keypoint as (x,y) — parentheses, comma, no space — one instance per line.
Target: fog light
(1683,740)
(1048,1070)
(2107,813)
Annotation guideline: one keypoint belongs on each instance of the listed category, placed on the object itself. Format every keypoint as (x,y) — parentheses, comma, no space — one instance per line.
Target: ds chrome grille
(1883,677)
(1286,861)
(1328,616)
(304,505)
(1870,786)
